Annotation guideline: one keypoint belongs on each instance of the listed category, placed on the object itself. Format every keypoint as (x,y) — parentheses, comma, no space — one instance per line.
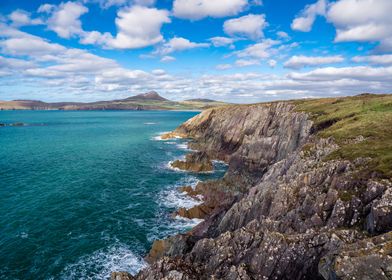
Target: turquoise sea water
(86,193)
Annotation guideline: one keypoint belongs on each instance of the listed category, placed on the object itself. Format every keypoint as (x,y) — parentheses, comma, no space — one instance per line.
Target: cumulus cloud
(222,42)
(305,20)
(23,18)
(297,62)
(65,19)
(361,20)
(46,8)
(354,20)
(198,9)
(250,26)
(385,59)
(137,26)
(261,50)
(179,44)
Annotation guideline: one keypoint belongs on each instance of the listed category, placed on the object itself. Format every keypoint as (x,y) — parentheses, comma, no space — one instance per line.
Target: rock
(284,210)
(365,259)
(172,135)
(121,276)
(196,212)
(194,162)
(190,191)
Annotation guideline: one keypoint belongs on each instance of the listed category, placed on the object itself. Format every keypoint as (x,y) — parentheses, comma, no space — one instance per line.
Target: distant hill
(149,96)
(200,100)
(146,101)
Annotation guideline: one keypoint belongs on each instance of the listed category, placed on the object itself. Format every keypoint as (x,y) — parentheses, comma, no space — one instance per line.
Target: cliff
(307,195)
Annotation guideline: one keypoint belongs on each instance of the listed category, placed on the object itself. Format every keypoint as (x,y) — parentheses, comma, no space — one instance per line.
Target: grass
(345,119)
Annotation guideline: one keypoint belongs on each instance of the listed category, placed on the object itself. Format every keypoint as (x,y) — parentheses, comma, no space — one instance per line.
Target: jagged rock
(365,259)
(196,212)
(172,135)
(121,276)
(284,209)
(195,162)
(190,191)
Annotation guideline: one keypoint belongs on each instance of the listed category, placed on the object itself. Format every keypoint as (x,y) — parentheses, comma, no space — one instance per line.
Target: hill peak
(151,95)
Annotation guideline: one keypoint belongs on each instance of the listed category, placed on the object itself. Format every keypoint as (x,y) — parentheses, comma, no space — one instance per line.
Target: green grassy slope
(348,118)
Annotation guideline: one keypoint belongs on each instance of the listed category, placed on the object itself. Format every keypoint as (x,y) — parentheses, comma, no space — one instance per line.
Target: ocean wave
(183,146)
(182,223)
(150,123)
(101,263)
(170,143)
(172,198)
(159,136)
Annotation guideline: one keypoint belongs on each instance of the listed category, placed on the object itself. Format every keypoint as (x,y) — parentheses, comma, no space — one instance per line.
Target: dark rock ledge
(283,210)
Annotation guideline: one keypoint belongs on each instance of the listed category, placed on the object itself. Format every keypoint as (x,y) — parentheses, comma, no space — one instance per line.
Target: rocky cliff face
(284,210)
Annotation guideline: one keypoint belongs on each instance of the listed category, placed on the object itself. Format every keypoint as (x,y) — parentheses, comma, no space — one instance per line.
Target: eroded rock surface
(283,210)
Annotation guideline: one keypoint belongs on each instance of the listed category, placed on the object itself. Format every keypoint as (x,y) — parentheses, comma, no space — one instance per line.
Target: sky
(239,51)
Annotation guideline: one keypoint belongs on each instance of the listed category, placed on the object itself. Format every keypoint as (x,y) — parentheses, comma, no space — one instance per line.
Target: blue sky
(233,50)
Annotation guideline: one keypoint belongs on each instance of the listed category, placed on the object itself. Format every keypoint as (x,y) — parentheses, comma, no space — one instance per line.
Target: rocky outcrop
(284,209)
(194,162)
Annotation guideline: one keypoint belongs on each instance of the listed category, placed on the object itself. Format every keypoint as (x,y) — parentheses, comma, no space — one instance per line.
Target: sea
(85,193)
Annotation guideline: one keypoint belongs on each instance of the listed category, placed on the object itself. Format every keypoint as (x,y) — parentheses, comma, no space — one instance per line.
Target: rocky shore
(287,208)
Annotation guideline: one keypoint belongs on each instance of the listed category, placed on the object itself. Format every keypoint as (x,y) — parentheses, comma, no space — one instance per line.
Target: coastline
(279,183)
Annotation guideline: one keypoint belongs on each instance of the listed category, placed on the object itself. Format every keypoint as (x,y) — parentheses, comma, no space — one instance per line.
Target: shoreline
(284,206)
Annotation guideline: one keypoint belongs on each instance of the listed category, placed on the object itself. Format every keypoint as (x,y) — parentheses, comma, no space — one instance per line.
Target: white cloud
(297,62)
(137,26)
(105,4)
(354,20)
(246,62)
(179,44)
(272,63)
(22,18)
(385,59)
(305,20)
(361,73)
(46,8)
(223,66)
(168,58)
(65,19)
(198,9)
(283,35)
(222,42)
(250,26)
(362,20)
(260,50)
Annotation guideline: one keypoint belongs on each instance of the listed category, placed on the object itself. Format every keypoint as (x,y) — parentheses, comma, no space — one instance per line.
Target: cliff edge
(307,194)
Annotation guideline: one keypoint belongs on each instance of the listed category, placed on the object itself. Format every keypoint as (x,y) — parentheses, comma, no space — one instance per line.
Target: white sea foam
(183,146)
(150,123)
(172,198)
(159,136)
(184,223)
(101,263)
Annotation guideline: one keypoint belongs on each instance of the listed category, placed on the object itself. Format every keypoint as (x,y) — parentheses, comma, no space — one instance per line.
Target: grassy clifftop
(351,118)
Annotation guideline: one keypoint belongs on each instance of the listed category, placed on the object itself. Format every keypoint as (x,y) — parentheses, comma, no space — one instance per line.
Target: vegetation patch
(366,116)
